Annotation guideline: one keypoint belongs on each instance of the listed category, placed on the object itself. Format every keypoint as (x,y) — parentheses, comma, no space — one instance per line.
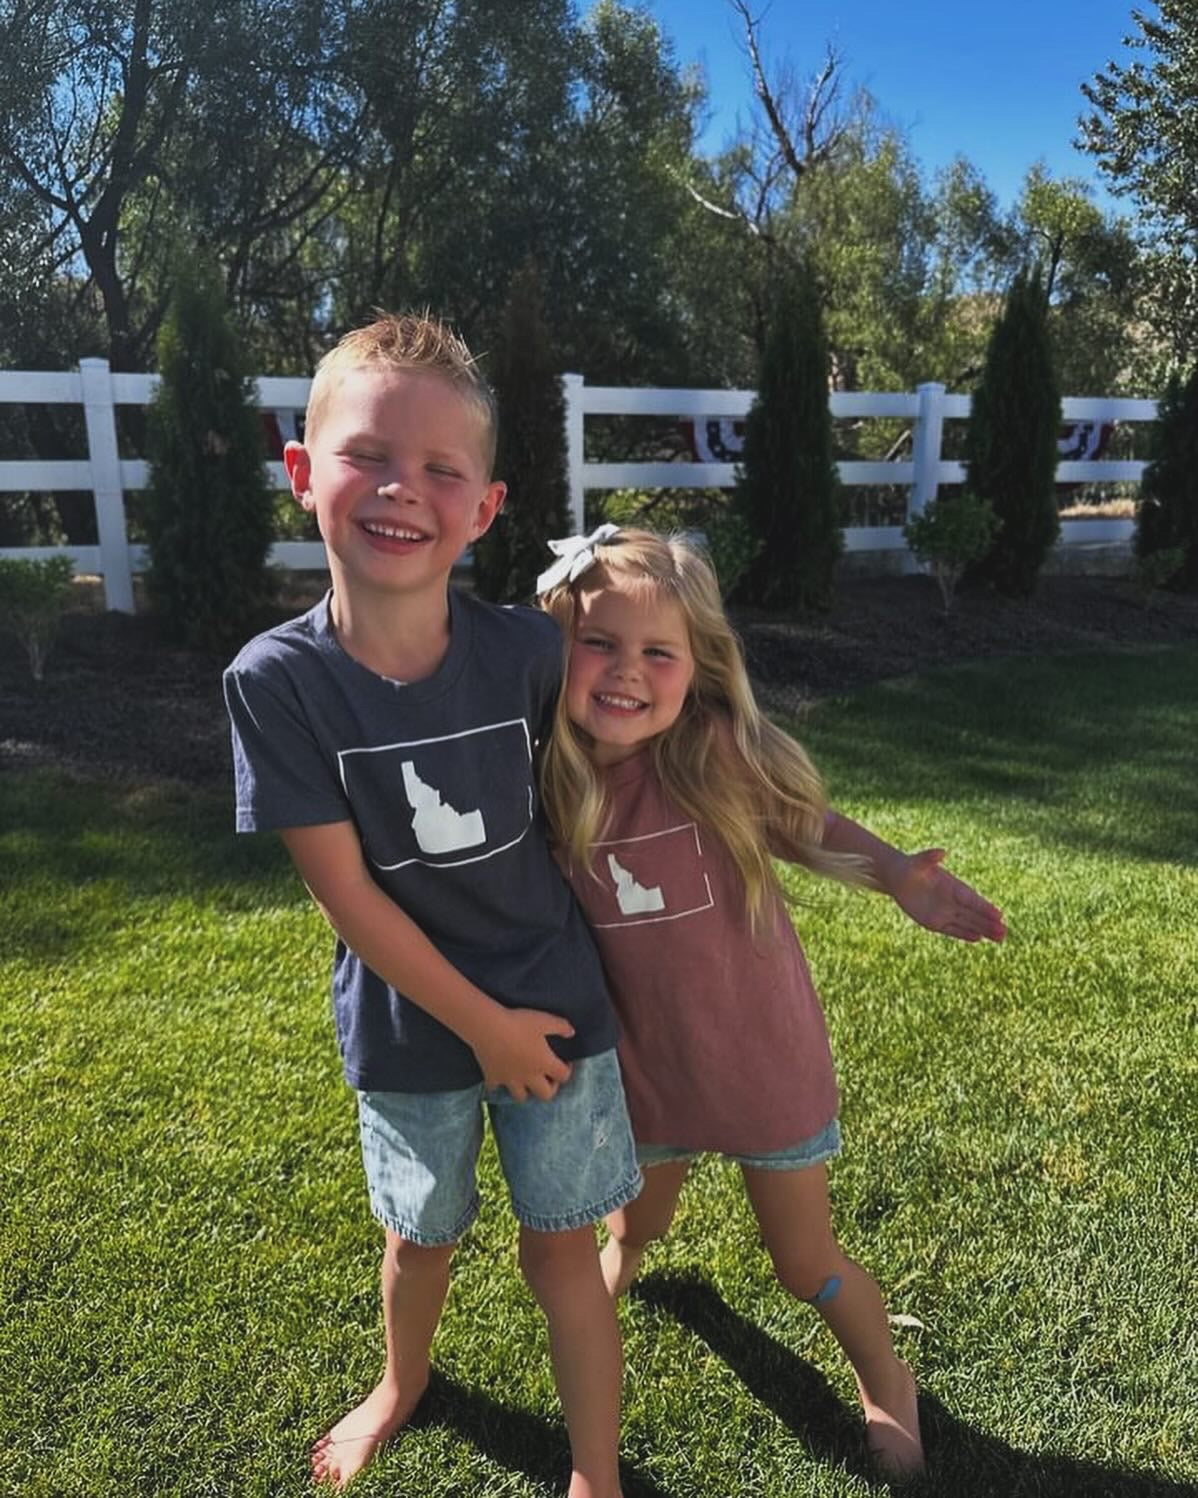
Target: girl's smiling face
(630,667)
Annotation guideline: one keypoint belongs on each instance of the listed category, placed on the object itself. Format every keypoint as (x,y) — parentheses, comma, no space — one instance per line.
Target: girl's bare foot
(892,1426)
(619,1266)
(357,1438)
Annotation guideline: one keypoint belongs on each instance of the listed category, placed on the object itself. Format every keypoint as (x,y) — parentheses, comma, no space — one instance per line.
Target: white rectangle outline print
(654,920)
(444,738)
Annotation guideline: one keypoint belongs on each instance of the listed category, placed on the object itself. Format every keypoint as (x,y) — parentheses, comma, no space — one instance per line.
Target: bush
(1167,518)
(706,514)
(788,485)
(33,598)
(1011,441)
(951,533)
(208,505)
(1156,570)
(531,457)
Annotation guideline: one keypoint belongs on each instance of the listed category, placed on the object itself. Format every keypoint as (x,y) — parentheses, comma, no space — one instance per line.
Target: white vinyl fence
(107,476)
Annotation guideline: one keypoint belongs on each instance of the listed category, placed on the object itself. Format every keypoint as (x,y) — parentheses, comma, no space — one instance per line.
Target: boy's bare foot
(892,1427)
(358,1437)
(619,1266)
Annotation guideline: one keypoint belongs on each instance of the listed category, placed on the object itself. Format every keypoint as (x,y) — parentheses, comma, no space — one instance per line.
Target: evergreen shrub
(788,488)
(1167,517)
(531,457)
(1011,441)
(208,506)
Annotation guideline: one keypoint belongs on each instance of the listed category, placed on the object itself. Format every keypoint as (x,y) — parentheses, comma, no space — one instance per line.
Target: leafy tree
(148,126)
(274,139)
(788,485)
(1140,127)
(42,326)
(531,458)
(522,132)
(1086,261)
(208,505)
(1011,440)
(1167,519)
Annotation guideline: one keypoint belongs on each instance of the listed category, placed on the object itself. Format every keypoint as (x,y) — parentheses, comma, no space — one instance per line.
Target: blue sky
(994,80)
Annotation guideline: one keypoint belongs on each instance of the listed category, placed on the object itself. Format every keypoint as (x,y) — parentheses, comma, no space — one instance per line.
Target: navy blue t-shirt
(437,777)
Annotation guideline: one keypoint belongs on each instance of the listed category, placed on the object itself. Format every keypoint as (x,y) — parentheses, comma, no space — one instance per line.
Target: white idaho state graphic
(438,827)
(634,898)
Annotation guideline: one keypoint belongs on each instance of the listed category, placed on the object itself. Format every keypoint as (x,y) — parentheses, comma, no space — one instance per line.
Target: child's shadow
(515,1439)
(962,1462)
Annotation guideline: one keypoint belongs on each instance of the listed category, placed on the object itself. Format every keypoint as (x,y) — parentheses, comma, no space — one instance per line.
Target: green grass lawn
(187,1263)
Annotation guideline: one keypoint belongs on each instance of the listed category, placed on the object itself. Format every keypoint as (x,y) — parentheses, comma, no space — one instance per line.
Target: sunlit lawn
(187,1263)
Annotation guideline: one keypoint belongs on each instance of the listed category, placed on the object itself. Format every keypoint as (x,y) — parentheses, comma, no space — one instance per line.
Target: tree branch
(764,93)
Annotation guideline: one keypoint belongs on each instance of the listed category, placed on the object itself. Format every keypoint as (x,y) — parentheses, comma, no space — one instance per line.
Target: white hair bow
(575,554)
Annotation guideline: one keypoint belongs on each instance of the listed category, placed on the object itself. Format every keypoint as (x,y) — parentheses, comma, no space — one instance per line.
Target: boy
(387,734)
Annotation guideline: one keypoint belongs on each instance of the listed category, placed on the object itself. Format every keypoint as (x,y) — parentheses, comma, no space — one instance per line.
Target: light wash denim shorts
(567,1162)
(801,1156)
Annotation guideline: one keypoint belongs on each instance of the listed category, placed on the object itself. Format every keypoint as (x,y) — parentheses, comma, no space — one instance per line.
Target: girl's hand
(515,1053)
(940,901)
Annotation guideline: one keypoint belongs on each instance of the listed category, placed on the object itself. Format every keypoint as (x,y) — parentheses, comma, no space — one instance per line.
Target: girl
(669,793)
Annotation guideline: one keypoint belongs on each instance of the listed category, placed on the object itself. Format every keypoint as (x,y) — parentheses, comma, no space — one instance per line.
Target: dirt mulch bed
(117,702)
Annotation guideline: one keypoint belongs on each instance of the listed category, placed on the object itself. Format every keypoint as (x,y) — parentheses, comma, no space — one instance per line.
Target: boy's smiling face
(396,474)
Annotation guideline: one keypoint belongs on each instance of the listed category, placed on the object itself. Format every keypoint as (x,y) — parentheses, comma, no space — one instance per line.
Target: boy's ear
(488,507)
(299,473)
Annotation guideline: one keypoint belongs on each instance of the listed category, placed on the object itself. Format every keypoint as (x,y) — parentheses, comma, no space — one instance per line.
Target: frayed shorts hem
(424,1239)
(584,1216)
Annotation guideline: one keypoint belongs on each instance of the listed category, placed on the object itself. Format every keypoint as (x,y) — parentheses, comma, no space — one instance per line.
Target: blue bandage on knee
(829,1290)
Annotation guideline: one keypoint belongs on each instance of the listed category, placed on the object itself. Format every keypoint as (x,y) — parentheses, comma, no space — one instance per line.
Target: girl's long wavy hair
(722,761)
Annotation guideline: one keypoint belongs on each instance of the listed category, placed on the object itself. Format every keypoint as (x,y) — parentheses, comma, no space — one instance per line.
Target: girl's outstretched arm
(918,884)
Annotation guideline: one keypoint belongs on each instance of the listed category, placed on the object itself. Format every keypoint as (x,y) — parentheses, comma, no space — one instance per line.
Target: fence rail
(108,477)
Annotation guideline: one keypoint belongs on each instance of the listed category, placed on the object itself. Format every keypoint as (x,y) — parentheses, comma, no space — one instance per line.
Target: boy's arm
(510,1044)
(918,884)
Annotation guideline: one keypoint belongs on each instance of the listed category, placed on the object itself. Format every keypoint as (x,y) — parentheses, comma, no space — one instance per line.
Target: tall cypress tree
(531,458)
(788,488)
(209,511)
(1167,518)
(1011,441)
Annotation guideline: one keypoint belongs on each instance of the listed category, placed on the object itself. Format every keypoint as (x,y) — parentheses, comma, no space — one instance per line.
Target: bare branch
(756,228)
(765,94)
(823,97)
(728,213)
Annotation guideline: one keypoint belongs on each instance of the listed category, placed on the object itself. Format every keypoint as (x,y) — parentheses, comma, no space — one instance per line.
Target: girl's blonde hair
(722,761)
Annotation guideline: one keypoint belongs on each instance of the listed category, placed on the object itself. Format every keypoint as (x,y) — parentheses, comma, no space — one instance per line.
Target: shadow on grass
(1102,745)
(76,854)
(515,1439)
(962,1462)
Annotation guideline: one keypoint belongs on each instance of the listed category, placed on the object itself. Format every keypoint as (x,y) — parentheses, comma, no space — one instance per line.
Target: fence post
(929,431)
(572,391)
(925,452)
(99,414)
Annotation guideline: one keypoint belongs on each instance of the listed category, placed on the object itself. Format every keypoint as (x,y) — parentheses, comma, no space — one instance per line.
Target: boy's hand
(940,901)
(515,1053)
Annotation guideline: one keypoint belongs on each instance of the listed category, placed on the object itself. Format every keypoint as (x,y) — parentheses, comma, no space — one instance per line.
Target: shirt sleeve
(282,776)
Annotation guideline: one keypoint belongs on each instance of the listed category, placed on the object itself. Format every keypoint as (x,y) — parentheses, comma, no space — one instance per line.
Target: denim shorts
(807,1152)
(567,1162)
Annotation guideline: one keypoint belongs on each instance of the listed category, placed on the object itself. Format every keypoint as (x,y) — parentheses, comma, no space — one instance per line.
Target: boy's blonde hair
(412,341)
(722,761)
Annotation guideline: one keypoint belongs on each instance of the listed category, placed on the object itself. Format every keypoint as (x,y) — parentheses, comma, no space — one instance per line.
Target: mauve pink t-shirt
(723,1043)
